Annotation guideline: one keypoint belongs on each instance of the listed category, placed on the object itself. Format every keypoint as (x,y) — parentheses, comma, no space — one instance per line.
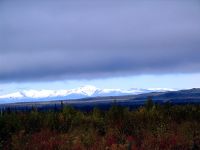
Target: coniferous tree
(149,103)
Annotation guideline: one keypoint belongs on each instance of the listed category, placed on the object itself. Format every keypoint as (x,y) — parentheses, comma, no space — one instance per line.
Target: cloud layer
(52,40)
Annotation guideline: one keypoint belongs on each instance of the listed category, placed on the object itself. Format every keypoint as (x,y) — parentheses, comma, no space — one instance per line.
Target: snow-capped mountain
(81,92)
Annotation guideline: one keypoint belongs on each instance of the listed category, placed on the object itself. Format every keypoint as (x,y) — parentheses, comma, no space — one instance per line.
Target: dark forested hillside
(150,127)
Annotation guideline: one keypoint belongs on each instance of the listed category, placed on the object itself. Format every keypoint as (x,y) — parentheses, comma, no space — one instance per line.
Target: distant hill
(81,92)
(191,96)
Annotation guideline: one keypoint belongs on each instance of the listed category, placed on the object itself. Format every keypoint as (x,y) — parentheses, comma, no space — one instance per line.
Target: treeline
(147,128)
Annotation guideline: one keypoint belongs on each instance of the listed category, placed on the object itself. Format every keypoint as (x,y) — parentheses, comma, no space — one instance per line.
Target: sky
(108,43)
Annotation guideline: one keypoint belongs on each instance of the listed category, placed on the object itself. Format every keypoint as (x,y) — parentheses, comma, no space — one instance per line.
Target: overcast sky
(65,40)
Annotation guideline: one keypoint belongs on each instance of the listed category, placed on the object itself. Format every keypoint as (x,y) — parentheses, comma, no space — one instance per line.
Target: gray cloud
(52,40)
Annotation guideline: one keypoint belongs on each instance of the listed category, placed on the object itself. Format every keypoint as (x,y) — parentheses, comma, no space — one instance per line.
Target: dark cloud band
(63,40)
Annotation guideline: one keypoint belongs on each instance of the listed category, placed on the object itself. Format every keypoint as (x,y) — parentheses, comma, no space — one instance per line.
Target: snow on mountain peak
(87,90)
(12,95)
(81,92)
(39,93)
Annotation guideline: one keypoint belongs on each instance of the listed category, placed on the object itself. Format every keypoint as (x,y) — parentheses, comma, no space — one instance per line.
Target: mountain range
(180,97)
(81,92)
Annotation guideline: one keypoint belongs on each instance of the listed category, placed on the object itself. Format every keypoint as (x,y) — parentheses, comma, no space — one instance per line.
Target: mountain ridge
(81,92)
(180,97)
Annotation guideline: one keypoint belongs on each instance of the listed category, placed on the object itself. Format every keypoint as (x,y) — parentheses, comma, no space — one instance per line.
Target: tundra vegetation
(150,127)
